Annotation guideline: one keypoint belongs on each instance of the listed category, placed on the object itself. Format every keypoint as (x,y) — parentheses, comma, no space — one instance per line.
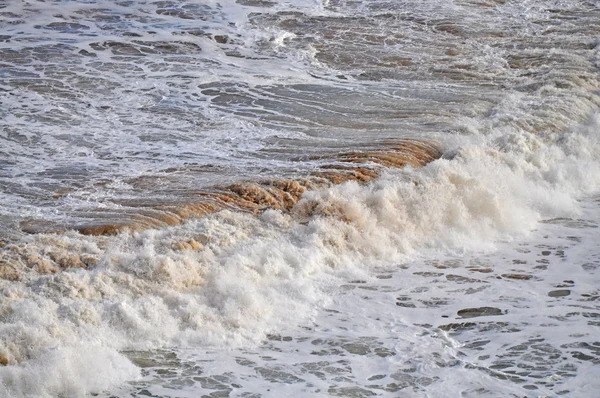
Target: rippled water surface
(309,198)
(109,107)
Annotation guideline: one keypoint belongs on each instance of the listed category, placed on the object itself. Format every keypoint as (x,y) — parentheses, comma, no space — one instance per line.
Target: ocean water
(262,198)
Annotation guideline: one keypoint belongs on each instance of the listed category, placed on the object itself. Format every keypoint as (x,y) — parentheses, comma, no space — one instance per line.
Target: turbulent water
(308,198)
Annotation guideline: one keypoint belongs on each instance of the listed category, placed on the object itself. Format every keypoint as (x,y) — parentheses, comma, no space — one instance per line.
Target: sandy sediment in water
(250,196)
(278,194)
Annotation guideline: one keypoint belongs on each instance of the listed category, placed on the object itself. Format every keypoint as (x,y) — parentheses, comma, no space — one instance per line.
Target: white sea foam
(225,91)
(255,275)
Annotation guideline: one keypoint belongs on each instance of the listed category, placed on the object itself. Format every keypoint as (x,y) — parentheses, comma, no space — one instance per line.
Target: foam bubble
(67,371)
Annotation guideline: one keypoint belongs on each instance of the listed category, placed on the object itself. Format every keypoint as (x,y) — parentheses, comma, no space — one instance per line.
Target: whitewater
(313,198)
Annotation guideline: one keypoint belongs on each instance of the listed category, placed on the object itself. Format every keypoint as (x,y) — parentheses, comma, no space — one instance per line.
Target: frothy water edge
(234,165)
(247,276)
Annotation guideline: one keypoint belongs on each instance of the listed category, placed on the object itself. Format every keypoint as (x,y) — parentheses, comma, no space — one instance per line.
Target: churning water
(309,198)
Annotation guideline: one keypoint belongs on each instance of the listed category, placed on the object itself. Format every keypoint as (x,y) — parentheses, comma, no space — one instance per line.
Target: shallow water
(112,108)
(331,198)
(519,321)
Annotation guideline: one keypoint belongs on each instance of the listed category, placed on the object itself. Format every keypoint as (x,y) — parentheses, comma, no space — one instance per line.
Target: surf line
(277,194)
(18,258)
